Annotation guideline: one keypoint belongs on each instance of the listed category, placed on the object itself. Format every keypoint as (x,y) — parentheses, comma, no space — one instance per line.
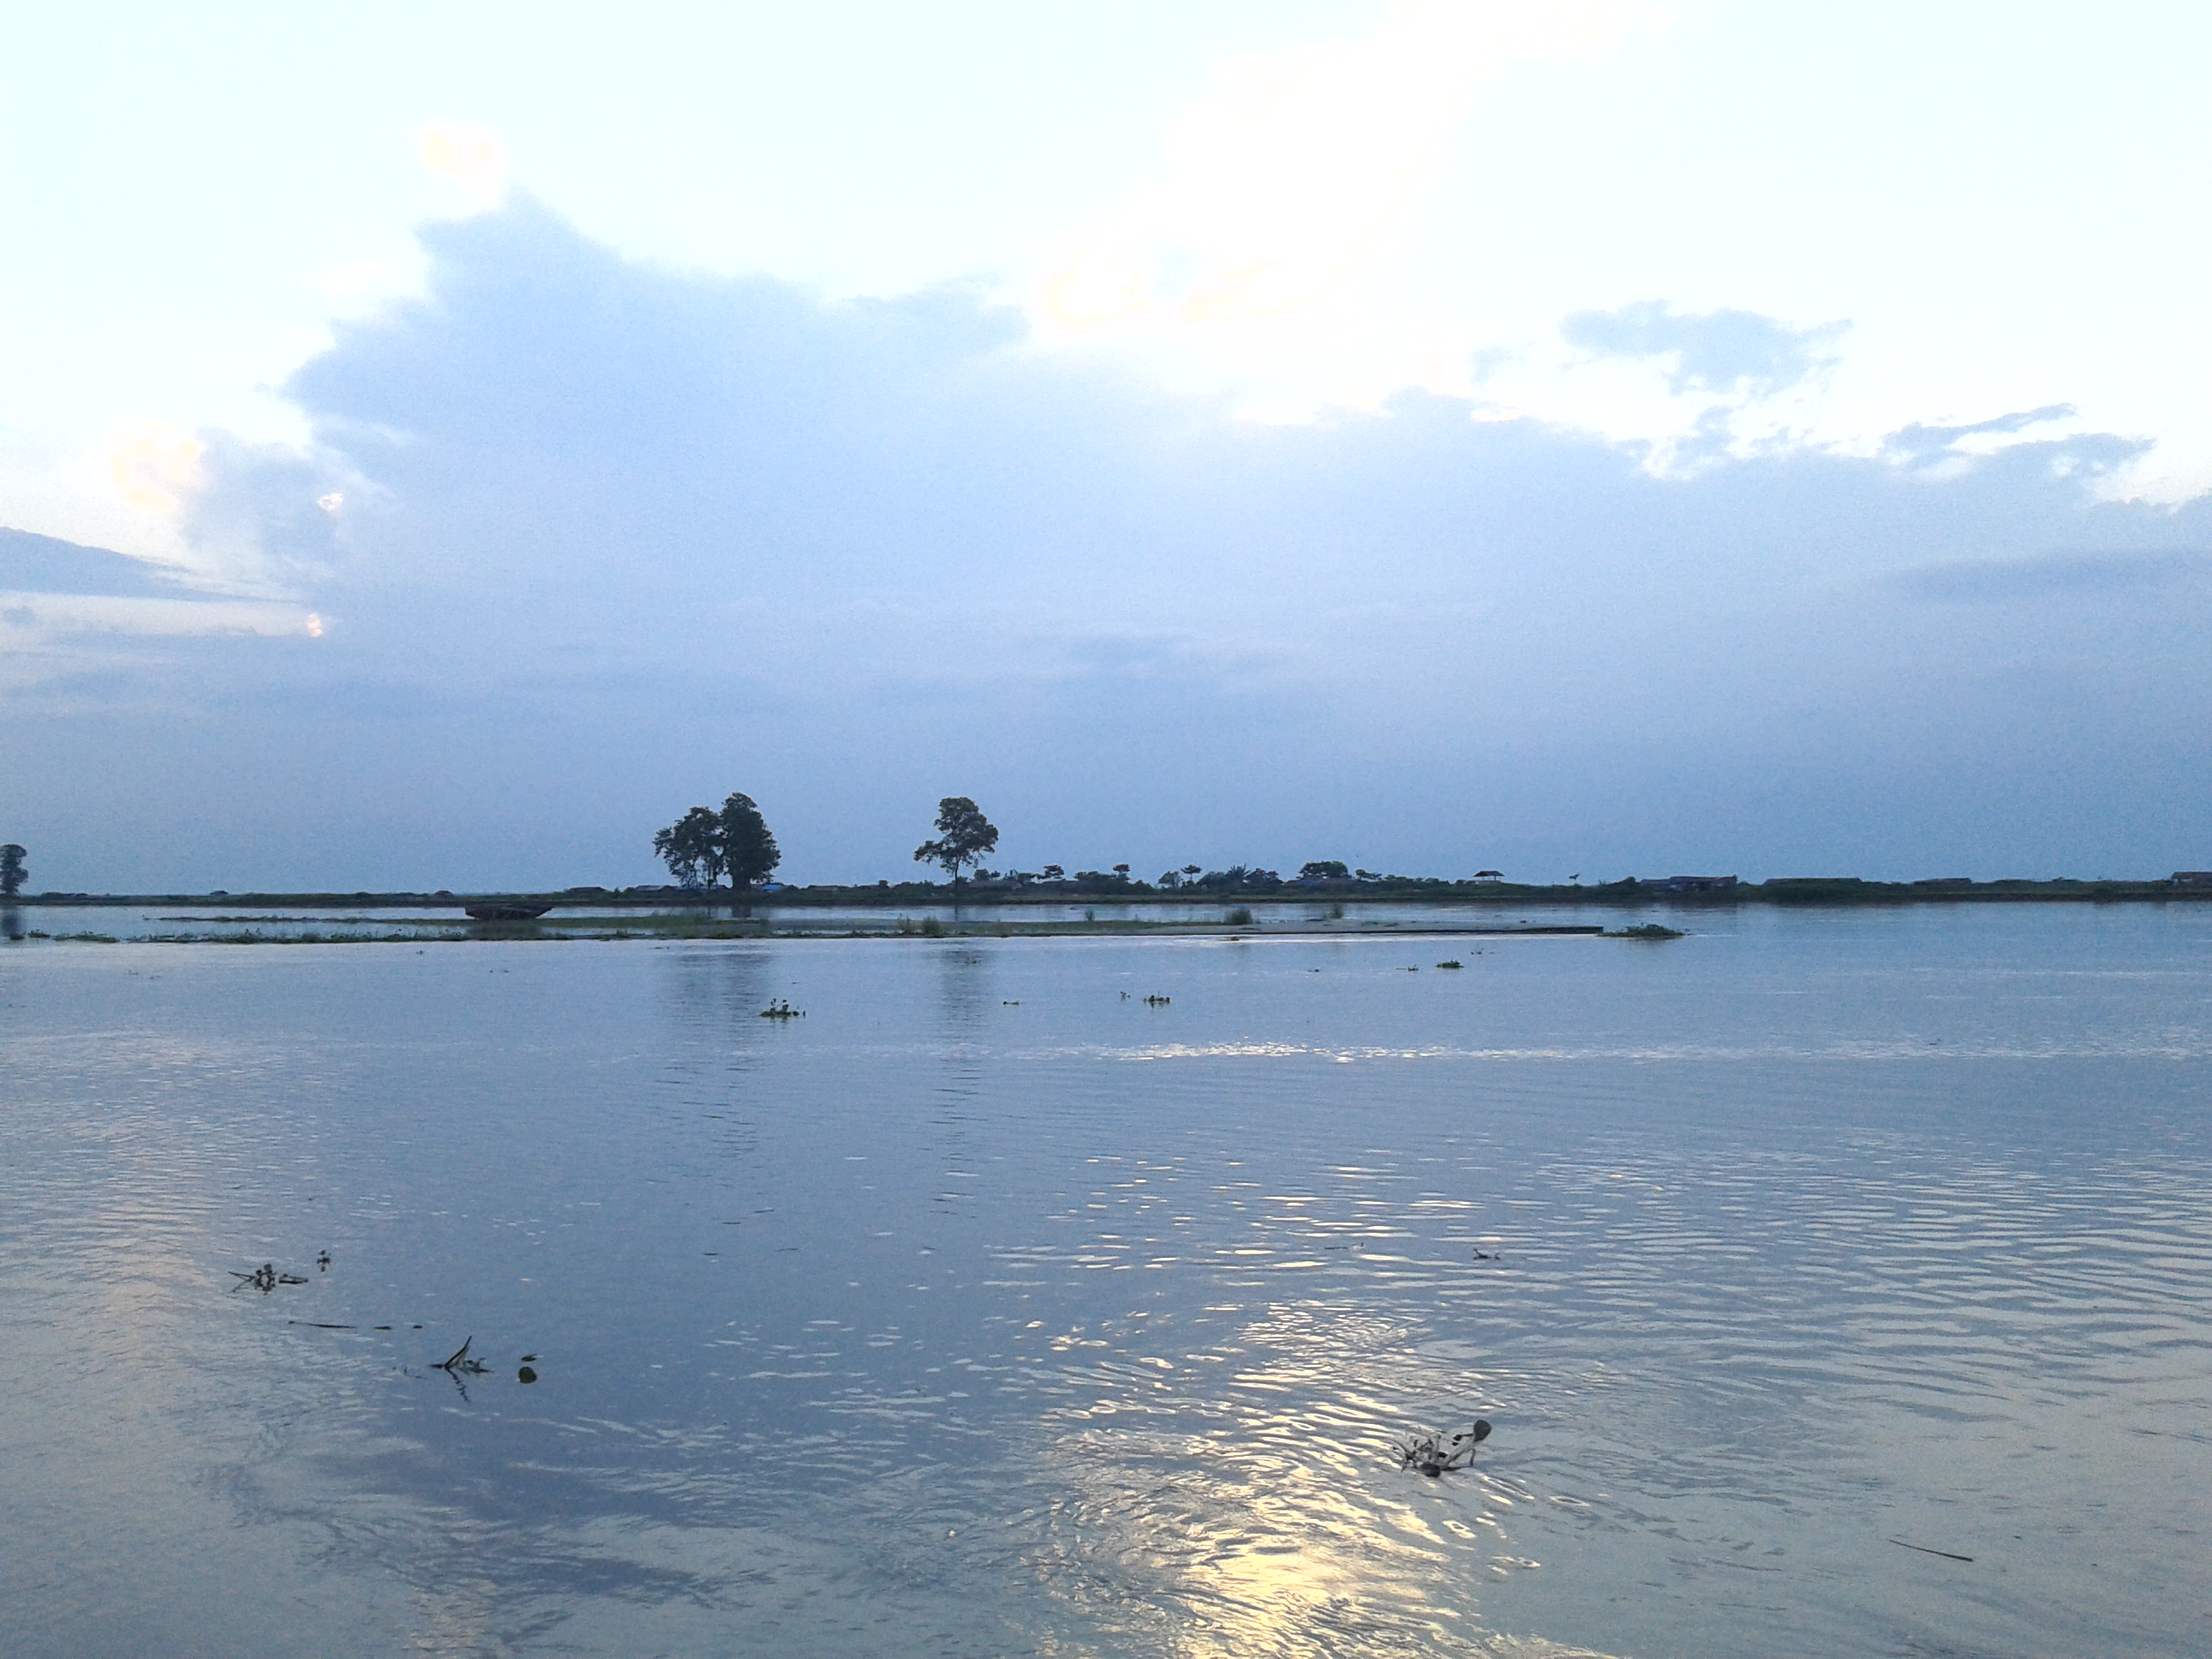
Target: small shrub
(1240,917)
(932,928)
(1648,931)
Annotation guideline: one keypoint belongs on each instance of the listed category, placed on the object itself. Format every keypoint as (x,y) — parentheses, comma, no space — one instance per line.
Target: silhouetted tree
(691,847)
(1323,869)
(748,850)
(963,836)
(12,870)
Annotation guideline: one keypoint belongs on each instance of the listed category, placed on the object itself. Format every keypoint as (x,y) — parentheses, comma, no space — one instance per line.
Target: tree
(963,836)
(691,847)
(11,870)
(748,850)
(1323,869)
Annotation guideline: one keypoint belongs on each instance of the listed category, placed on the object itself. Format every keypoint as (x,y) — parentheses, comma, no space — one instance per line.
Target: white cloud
(645,535)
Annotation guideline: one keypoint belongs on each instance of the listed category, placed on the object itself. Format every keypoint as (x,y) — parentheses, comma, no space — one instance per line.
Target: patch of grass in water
(1648,931)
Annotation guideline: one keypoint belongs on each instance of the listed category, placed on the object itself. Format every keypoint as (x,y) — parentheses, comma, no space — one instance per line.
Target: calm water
(988,1309)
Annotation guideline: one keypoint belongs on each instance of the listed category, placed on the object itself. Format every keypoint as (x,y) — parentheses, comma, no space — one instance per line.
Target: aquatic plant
(458,1362)
(1448,964)
(1648,931)
(1240,917)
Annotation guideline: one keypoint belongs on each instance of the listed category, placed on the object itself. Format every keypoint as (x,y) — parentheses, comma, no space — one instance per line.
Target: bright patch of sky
(1976,209)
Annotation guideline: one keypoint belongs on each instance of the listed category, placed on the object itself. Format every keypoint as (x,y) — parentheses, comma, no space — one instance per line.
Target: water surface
(989,1308)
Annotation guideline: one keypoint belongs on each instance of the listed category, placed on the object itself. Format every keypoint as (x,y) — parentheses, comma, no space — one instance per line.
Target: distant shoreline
(1806,892)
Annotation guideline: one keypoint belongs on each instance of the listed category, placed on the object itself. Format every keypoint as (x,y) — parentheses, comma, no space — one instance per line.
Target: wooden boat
(505,912)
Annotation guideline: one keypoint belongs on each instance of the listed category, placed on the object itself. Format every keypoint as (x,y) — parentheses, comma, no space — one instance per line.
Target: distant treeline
(1108,887)
(707,847)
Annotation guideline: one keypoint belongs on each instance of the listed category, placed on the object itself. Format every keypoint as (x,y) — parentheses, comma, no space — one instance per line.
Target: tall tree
(963,836)
(11,870)
(691,847)
(748,850)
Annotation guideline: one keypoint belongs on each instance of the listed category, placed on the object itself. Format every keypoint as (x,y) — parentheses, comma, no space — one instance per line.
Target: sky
(440,445)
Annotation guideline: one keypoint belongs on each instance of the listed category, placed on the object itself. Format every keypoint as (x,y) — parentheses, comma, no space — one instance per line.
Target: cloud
(1919,442)
(53,590)
(155,465)
(2050,576)
(1285,176)
(44,564)
(616,539)
(1721,351)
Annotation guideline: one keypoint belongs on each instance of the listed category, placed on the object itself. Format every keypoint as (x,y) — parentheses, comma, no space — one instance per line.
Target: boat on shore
(505,912)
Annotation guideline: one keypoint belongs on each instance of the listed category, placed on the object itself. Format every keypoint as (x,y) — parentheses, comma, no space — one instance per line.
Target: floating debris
(264,1279)
(1432,1454)
(458,1363)
(322,1260)
(782,1011)
(525,1374)
(1158,1001)
(1648,931)
(1448,964)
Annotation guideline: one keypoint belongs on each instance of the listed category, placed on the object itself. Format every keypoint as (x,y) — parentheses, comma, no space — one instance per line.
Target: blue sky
(1581,439)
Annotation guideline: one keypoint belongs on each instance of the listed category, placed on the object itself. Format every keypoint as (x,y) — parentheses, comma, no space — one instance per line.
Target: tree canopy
(749,851)
(703,846)
(12,870)
(963,836)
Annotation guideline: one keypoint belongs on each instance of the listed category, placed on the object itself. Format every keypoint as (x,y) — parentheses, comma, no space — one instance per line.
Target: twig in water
(1924,1550)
